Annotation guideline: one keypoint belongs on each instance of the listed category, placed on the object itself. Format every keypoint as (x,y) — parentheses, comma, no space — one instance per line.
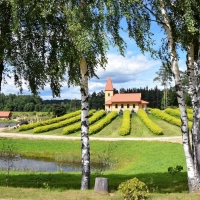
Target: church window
(116,105)
(122,105)
(133,105)
(127,105)
(108,94)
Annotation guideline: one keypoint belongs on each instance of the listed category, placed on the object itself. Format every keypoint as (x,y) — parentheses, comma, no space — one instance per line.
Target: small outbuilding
(5,114)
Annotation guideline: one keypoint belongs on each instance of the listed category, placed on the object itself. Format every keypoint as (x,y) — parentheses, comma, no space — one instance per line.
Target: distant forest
(30,103)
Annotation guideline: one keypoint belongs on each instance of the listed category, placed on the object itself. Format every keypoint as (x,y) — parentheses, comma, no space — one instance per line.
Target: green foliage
(169,118)
(176,113)
(61,124)
(58,110)
(126,123)
(149,123)
(49,121)
(133,189)
(103,122)
(175,170)
(76,127)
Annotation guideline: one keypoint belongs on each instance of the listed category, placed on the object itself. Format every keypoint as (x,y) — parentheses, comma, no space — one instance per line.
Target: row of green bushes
(103,122)
(169,118)
(126,123)
(176,113)
(61,124)
(49,121)
(76,127)
(149,123)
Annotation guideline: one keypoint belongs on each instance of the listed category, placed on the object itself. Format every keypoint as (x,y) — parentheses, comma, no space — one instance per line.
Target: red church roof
(109,86)
(126,98)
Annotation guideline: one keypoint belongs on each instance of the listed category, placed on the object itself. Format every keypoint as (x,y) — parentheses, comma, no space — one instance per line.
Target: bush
(149,123)
(176,113)
(133,189)
(76,127)
(126,123)
(169,118)
(49,121)
(102,123)
(61,124)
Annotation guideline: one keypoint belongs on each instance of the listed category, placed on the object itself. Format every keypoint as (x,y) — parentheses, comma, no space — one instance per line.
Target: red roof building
(126,101)
(5,114)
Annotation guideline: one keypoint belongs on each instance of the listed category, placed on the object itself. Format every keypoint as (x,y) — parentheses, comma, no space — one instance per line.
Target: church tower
(109,90)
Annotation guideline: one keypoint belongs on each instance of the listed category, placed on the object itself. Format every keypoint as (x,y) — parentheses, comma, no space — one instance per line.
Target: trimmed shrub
(172,120)
(61,124)
(133,189)
(149,123)
(76,127)
(176,113)
(49,121)
(126,123)
(103,122)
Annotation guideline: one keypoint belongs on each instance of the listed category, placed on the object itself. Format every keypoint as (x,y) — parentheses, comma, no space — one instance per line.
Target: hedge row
(49,121)
(61,124)
(76,127)
(102,123)
(176,113)
(169,118)
(149,123)
(126,123)
(190,111)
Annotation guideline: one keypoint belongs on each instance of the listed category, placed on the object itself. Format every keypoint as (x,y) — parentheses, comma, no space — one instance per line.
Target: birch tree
(73,37)
(180,22)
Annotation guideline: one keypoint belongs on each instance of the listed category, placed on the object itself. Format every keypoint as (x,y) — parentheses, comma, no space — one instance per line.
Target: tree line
(30,103)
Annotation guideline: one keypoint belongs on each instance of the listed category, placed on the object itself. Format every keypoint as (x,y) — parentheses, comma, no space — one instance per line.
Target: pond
(5,124)
(26,164)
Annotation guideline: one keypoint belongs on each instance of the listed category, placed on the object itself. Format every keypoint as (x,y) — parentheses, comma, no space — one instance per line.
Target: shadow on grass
(159,182)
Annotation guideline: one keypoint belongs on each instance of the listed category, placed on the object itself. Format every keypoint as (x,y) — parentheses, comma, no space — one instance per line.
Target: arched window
(122,105)
(108,94)
(116,106)
(127,105)
(133,105)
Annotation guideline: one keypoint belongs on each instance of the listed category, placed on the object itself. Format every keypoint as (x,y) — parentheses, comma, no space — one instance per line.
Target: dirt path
(176,139)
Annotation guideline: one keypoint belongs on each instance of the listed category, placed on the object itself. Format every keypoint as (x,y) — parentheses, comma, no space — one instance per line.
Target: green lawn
(148,161)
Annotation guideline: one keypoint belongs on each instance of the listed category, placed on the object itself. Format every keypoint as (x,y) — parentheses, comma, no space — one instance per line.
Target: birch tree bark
(85,181)
(193,177)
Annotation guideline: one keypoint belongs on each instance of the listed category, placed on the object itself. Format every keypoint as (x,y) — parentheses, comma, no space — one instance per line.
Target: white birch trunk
(192,179)
(85,182)
(196,116)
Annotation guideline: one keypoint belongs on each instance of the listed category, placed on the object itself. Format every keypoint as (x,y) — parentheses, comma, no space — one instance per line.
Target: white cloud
(128,72)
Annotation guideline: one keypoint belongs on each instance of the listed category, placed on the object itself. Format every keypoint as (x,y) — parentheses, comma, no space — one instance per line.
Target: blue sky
(134,70)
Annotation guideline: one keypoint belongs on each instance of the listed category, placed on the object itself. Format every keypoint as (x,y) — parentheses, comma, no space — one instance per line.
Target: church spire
(109,86)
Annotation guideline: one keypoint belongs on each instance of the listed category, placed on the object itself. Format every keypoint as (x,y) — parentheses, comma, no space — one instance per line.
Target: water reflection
(2,125)
(25,164)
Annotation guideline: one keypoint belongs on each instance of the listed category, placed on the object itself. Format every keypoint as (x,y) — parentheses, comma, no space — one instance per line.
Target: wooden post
(101,185)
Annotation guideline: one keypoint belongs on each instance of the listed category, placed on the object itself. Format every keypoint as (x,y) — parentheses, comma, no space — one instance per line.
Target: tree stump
(101,185)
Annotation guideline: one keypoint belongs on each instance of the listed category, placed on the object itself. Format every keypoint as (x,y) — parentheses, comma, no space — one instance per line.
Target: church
(126,101)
